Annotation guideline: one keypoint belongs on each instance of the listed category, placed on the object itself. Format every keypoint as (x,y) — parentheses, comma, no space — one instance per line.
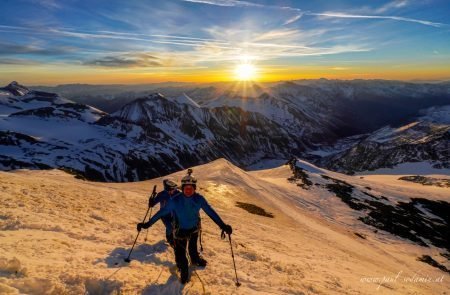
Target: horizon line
(231,81)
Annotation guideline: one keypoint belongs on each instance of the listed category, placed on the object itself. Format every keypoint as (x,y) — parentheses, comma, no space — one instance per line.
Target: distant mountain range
(427,138)
(342,125)
(366,93)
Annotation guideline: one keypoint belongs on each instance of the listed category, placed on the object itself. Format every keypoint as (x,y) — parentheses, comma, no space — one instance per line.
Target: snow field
(61,235)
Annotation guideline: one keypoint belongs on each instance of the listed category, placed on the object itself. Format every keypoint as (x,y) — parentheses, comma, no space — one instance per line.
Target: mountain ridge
(154,135)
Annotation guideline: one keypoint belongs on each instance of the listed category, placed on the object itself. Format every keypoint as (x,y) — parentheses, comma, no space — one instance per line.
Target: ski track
(61,235)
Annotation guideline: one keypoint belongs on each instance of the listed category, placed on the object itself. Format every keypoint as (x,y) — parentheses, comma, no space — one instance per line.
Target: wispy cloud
(277,34)
(299,13)
(358,16)
(159,39)
(18,61)
(392,5)
(339,68)
(273,44)
(136,60)
(229,44)
(236,3)
(19,49)
(184,38)
(49,4)
(228,3)
(293,19)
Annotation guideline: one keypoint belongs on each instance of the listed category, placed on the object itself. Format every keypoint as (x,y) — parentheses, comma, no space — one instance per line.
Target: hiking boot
(184,276)
(199,261)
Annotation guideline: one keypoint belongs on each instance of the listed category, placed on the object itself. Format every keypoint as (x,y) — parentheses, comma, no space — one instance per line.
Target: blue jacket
(163,199)
(186,211)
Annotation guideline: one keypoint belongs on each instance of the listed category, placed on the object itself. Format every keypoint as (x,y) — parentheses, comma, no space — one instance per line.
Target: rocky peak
(16,89)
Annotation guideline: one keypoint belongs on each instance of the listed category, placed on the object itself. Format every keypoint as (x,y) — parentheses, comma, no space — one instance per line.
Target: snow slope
(61,235)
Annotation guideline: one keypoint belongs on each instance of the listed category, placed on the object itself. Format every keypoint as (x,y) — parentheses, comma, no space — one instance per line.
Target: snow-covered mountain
(148,137)
(18,100)
(245,123)
(426,139)
(297,229)
(194,134)
(348,107)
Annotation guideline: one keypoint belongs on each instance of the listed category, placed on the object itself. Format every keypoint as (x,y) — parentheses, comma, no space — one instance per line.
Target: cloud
(293,19)
(278,43)
(384,8)
(339,68)
(224,44)
(397,18)
(236,3)
(392,5)
(158,39)
(50,4)
(277,34)
(228,3)
(16,49)
(131,60)
(17,61)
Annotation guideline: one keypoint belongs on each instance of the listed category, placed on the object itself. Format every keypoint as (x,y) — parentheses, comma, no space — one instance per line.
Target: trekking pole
(127,260)
(232,255)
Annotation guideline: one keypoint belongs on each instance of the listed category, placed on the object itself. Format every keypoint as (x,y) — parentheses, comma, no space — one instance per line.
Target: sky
(49,42)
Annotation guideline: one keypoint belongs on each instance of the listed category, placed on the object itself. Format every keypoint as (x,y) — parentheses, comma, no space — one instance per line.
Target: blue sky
(139,41)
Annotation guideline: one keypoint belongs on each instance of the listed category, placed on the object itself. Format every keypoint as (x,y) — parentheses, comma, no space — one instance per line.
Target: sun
(245,72)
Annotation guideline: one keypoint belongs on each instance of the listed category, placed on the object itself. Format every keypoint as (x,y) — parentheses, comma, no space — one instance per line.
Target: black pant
(180,250)
(169,238)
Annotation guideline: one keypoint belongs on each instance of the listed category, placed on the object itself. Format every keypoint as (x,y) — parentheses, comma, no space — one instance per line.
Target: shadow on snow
(171,287)
(146,253)
(143,253)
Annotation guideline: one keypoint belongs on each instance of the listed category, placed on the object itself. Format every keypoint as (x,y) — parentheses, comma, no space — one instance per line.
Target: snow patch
(309,167)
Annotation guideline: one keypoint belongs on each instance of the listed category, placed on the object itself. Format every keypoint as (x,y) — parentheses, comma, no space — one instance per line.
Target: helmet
(189,179)
(169,184)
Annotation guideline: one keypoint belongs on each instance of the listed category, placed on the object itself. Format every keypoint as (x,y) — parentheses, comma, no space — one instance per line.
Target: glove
(227,228)
(141,225)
